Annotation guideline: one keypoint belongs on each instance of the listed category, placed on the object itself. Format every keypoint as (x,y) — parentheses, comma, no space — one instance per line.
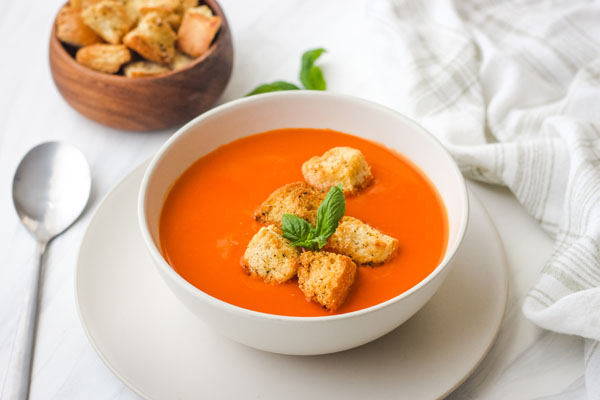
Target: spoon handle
(16,384)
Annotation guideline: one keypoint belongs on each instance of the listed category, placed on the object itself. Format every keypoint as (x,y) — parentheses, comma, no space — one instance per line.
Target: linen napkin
(512,88)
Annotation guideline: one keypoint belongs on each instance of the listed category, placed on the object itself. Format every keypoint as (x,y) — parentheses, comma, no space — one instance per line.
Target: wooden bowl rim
(213,4)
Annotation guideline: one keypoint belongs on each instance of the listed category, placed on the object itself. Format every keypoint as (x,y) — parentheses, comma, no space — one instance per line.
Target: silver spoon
(50,190)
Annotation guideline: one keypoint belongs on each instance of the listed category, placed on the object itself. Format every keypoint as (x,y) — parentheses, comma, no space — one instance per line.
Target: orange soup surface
(208,219)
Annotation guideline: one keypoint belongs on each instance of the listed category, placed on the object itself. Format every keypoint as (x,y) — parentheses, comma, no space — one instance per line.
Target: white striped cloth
(513,90)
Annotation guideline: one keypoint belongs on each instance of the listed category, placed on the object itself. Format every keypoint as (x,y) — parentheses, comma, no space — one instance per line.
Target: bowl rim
(214,6)
(228,307)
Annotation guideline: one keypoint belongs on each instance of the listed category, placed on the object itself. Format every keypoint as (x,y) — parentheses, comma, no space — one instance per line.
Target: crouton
(181,60)
(271,257)
(81,4)
(294,198)
(169,6)
(109,19)
(140,69)
(104,57)
(197,30)
(70,28)
(153,39)
(343,165)
(326,277)
(185,4)
(203,10)
(133,10)
(174,20)
(364,244)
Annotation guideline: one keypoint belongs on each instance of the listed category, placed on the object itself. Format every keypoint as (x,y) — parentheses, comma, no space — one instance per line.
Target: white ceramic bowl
(247,116)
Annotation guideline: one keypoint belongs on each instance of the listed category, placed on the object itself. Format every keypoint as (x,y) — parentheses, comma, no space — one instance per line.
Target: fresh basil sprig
(302,234)
(311,76)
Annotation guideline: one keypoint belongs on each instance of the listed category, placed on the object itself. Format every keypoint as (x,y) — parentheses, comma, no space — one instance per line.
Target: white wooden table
(269,37)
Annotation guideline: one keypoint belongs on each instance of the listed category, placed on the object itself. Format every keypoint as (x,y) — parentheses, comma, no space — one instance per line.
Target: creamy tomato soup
(208,219)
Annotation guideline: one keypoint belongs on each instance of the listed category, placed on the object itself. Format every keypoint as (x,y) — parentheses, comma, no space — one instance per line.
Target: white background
(269,37)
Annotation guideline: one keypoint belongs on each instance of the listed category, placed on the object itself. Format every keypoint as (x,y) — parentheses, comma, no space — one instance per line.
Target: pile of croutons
(323,276)
(137,37)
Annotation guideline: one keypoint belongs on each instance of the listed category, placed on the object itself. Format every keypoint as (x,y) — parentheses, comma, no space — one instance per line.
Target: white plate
(162,351)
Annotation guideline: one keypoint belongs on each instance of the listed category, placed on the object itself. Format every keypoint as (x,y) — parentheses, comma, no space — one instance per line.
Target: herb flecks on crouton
(326,277)
(104,57)
(197,31)
(361,242)
(343,165)
(109,19)
(153,39)
(271,257)
(297,198)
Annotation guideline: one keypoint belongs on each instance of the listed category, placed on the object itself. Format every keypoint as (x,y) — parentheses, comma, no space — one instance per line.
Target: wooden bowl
(150,103)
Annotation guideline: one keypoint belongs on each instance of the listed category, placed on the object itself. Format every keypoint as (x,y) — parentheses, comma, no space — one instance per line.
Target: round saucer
(162,351)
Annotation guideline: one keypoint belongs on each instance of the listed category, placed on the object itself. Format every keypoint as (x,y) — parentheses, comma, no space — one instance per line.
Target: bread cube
(81,4)
(343,165)
(185,4)
(133,9)
(296,198)
(271,257)
(153,39)
(104,57)
(71,29)
(109,19)
(168,6)
(364,244)
(326,277)
(140,69)
(181,60)
(197,30)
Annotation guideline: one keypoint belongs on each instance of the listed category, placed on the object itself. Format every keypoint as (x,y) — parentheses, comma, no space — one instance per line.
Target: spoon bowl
(51,188)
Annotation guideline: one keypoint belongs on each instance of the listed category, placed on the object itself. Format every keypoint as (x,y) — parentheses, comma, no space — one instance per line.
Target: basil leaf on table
(311,75)
(273,87)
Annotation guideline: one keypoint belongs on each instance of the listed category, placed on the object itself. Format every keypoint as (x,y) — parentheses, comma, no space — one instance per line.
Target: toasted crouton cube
(296,198)
(197,30)
(167,6)
(271,257)
(81,4)
(70,28)
(185,4)
(104,57)
(153,39)
(326,277)
(364,244)
(133,9)
(174,20)
(140,69)
(181,60)
(343,165)
(109,19)
(203,10)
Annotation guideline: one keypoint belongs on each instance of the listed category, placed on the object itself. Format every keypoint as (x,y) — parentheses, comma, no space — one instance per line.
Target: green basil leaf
(273,87)
(308,244)
(311,75)
(321,241)
(295,229)
(330,212)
